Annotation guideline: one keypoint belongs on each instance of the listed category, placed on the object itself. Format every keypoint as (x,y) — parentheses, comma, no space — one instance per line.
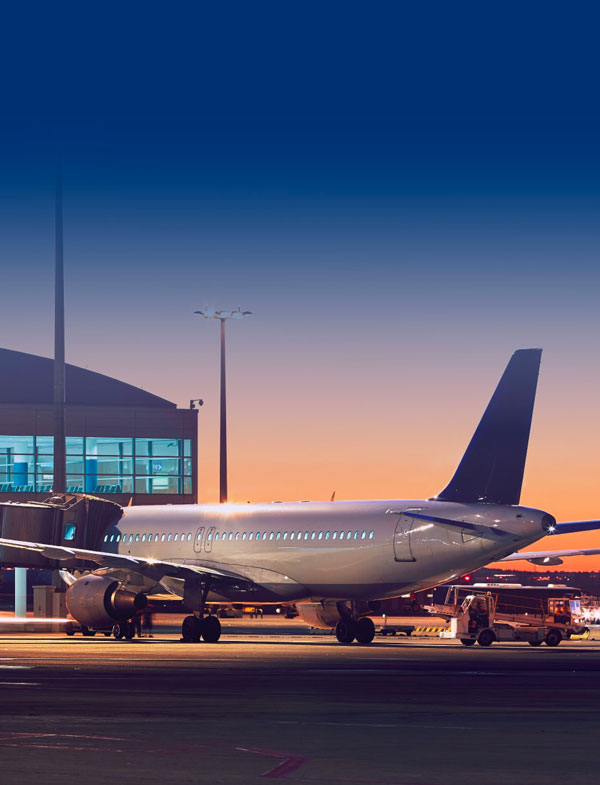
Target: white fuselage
(324,550)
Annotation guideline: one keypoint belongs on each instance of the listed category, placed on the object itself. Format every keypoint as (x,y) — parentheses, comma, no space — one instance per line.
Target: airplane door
(209,539)
(198,539)
(402,548)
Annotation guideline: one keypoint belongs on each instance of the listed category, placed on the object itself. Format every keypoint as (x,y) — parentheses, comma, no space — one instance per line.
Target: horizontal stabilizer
(491,469)
(548,557)
(576,526)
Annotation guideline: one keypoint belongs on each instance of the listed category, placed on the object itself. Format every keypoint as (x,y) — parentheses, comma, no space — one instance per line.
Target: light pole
(222,316)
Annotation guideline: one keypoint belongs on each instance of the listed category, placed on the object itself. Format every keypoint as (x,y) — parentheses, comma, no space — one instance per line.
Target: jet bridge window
(70,531)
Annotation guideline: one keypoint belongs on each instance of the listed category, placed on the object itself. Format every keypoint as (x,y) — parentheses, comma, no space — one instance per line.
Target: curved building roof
(27,379)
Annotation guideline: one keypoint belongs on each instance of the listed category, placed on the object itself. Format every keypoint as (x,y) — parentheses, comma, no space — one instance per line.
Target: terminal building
(122,443)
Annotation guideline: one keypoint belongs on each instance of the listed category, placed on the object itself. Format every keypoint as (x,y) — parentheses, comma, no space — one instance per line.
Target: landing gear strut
(350,628)
(198,626)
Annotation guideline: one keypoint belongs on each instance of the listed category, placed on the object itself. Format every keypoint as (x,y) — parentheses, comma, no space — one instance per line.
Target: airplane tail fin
(491,470)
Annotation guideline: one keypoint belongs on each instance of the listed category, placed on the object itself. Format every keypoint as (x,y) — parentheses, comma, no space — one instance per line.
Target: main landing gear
(350,628)
(195,628)
(199,626)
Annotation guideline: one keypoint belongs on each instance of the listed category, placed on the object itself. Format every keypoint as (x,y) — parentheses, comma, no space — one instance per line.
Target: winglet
(492,467)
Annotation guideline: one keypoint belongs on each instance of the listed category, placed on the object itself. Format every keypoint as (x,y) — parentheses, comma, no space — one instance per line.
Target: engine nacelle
(323,615)
(97,601)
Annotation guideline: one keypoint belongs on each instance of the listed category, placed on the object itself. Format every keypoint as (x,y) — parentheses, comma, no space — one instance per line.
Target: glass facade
(97,465)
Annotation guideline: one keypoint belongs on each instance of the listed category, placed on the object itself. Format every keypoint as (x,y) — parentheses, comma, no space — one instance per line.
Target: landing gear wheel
(468,641)
(191,629)
(211,629)
(118,631)
(344,631)
(486,638)
(365,630)
(69,629)
(535,643)
(553,637)
(129,630)
(86,632)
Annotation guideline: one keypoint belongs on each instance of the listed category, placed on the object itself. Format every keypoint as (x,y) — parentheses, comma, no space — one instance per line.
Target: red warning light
(467,578)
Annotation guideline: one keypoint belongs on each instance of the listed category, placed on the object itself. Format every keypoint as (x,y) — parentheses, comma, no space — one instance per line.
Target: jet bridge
(71,520)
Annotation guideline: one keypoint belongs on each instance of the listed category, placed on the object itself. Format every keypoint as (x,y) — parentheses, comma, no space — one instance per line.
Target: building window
(71,530)
(97,465)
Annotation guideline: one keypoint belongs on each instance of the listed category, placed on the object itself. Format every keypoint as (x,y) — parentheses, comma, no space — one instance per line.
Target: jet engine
(99,601)
(323,615)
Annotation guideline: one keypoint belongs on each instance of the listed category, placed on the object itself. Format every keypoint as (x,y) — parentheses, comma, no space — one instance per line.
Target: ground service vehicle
(484,617)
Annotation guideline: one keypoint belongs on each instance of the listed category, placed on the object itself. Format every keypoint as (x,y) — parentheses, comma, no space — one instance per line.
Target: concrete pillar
(20,591)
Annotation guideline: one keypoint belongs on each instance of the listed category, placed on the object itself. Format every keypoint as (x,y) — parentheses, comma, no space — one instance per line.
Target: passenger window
(278,535)
(363,535)
(291,535)
(118,537)
(137,537)
(244,536)
(312,536)
(149,538)
(306,535)
(106,538)
(208,537)
(112,536)
(170,537)
(356,535)
(271,536)
(371,535)
(334,536)
(326,535)
(175,536)
(217,537)
(258,535)
(156,537)
(162,537)
(237,535)
(320,535)
(285,534)
(231,535)
(143,538)
(251,536)
(189,537)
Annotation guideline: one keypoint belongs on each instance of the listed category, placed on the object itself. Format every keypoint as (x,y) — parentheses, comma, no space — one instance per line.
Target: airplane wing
(152,568)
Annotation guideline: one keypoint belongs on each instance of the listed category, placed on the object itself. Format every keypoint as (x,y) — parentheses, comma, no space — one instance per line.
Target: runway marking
(16,667)
(289,764)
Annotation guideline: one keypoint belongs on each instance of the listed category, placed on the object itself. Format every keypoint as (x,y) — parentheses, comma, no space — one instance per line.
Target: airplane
(335,560)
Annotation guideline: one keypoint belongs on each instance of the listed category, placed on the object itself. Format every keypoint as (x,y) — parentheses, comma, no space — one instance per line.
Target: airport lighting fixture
(222,316)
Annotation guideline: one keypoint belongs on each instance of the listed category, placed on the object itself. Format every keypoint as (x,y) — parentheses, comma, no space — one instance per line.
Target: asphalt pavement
(402,711)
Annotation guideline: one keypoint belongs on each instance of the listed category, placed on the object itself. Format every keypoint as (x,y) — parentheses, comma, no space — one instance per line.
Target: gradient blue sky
(402,197)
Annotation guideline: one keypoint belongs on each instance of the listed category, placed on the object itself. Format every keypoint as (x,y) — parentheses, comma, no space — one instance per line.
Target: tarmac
(270,701)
